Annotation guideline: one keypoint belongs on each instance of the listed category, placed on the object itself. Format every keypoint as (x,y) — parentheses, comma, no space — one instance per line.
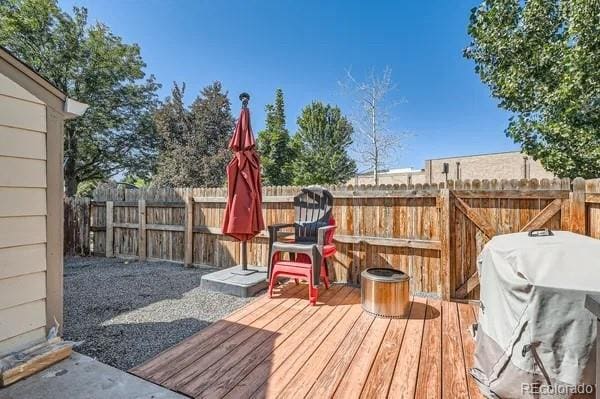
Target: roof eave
(73,108)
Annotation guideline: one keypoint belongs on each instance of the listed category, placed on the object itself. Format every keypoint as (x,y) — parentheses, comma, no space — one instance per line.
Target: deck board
(282,347)
(358,371)
(306,376)
(382,370)
(192,370)
(199,344)
(329,379)
(404,380)
(198,383)
(274,371)
(429,379)
(248,356)
(298,360)
(453,371)
(466,319)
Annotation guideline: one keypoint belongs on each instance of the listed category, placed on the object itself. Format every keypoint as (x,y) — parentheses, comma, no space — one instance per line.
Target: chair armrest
(279,226)
(321,233)
(274,232)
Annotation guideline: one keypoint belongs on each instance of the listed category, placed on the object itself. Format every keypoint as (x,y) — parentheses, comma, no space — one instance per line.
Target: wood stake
(142,229)
(578,206)
(109,229)
(189,230)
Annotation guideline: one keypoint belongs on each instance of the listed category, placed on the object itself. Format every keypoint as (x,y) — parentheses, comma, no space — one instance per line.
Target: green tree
(214,124)
(541,59)
(194,148)
(321,144)
(94,66)
(274,145)
(134,181)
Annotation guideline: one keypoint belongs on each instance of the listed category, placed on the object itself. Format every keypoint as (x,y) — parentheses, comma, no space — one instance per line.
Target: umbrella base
(247,272)
(235,281)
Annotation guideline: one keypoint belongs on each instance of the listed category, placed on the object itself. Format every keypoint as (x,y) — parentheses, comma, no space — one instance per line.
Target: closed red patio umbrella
(243,212)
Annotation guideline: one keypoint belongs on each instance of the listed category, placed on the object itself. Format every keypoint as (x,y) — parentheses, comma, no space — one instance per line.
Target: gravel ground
(125,312)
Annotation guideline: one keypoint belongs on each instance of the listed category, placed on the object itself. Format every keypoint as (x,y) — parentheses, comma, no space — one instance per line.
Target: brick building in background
(500,165)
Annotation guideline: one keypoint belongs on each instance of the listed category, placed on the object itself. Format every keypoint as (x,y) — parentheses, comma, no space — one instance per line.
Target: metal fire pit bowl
(385,292)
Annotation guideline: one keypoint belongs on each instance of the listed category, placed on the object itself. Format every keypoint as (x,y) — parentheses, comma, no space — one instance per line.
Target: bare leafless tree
(374,141)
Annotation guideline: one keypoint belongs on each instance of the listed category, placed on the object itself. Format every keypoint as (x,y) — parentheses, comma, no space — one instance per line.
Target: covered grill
(535,338)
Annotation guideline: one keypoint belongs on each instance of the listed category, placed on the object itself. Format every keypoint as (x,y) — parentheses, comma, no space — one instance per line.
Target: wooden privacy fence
(434,233)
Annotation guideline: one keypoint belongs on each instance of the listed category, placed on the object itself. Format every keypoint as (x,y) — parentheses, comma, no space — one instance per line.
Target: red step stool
(301,268)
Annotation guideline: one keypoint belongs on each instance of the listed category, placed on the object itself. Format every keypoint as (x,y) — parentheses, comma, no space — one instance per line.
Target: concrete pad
(233,281)
(81,377)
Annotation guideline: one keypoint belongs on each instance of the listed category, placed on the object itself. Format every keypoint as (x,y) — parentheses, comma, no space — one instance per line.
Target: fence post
(565,212)
(86,249)
(68,211)
(142,229)
(109,229)
(445,244)
(577,214)
(189,232)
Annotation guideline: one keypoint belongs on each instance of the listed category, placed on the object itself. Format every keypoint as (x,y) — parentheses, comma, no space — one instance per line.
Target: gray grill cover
(532,292)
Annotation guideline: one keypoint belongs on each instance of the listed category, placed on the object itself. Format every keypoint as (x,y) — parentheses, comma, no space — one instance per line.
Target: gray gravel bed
(128,311)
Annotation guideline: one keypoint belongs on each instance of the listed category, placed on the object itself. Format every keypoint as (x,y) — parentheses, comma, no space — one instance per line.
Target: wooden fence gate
(479,213)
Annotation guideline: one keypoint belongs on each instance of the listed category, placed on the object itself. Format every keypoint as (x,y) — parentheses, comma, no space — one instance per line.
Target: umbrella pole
(244,256)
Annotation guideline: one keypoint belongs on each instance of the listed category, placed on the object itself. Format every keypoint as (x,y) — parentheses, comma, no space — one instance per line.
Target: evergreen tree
(321,144)
(214,123)
(194,149)
(274,145)
(173,124)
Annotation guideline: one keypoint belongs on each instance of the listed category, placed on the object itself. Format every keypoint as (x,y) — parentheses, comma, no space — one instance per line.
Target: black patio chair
(313,237)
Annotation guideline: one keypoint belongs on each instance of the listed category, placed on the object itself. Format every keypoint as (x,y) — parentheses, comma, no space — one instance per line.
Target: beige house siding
(22,230)
(22,289)
(25,259)
(23,319)
(23,114)
(23,212)
(22,340)
(22,201)
(22,172)
(22,143)
(12,89)
(32,115)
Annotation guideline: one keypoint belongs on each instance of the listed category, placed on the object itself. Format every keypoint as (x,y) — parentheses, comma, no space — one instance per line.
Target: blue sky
(304,47)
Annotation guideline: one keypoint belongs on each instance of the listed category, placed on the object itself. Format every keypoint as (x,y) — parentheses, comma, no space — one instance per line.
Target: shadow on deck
(282,347)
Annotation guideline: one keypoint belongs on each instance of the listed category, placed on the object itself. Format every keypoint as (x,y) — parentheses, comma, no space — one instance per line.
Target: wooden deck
(284,348)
